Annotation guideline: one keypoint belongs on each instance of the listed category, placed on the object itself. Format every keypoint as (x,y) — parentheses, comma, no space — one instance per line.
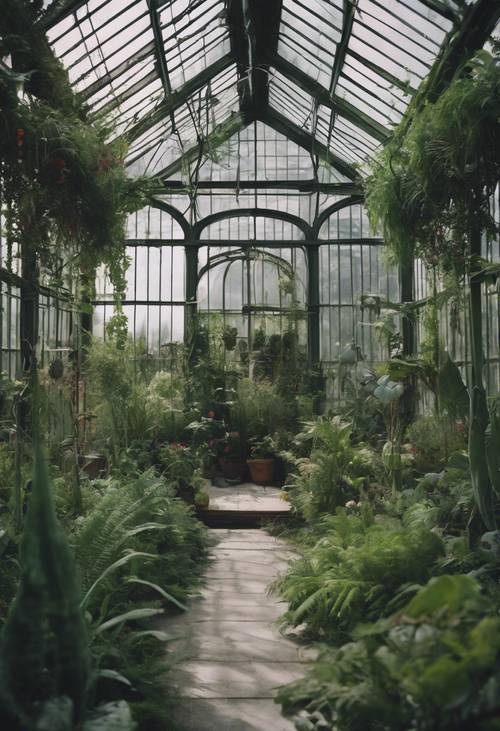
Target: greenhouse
(250,365)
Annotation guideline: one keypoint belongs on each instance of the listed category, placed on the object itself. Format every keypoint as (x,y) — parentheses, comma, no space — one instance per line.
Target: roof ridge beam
(254,32)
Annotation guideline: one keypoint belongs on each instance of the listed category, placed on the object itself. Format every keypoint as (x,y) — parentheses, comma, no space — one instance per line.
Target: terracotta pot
(261,470)
(233,468)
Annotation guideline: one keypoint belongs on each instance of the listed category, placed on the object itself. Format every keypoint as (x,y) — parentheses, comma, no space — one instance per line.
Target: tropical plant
(354,571)
(44,652)
(334,473)
(64,183)
(136,550)
(430,193)
(433,666)
(257,410)
(433,439)
(262,448)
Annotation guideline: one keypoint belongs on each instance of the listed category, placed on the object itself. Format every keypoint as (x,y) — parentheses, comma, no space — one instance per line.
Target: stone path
(230,654)
(247,497)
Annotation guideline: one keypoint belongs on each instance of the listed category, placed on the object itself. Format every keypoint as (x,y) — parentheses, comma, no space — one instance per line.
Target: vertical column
(191,290)
(406,276)
(313,304)
(28,316)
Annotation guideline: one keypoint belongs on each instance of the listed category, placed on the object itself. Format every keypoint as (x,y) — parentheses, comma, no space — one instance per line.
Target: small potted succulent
(261,461)
(231,456)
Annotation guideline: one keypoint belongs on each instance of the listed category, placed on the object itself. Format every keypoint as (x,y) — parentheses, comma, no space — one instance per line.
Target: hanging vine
(429,192)
(64,185)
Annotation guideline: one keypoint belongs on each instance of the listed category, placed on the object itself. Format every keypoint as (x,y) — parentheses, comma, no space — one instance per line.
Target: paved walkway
(247,497)
(230,654)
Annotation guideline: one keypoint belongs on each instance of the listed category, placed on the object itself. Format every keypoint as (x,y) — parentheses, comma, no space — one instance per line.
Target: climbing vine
(430,191)
(64,183)
(432,183)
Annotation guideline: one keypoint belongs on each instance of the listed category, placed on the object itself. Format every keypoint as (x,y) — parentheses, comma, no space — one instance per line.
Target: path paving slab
(222,679)
(231,714)
(228,652)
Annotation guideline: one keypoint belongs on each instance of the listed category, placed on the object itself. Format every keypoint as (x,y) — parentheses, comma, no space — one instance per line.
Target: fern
(354,571)
(335,472)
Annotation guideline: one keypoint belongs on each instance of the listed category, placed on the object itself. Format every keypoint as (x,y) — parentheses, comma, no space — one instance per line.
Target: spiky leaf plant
(44,648)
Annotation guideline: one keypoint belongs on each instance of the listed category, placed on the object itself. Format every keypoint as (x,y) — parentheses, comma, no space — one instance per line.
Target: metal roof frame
(254,31)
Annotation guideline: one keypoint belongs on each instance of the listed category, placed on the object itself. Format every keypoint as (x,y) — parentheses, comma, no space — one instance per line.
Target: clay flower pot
(261,470)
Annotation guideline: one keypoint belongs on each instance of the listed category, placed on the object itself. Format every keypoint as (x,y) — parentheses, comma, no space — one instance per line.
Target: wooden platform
(243,506)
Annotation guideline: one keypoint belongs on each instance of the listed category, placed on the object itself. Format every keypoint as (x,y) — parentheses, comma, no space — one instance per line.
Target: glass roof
(169,75)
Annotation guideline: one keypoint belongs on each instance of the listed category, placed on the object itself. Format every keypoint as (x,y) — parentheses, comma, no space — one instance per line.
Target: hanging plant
(432,183)
(429,192)
(63,181)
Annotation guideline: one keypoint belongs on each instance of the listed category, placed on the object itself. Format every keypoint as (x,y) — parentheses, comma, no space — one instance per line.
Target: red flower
(211,414)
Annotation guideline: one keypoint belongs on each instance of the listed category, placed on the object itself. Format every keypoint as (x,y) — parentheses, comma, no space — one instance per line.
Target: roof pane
(309,34)
(195,35)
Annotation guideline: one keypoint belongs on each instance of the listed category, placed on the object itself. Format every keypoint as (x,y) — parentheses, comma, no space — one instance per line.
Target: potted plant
(261,461)
(230,337)
(232,456)
(202,499)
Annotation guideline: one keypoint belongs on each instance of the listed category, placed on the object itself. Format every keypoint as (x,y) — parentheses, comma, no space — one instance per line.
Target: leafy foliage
(353,572)
(433,666)
(44,647)
(335,471)
(430,185)
(65,184)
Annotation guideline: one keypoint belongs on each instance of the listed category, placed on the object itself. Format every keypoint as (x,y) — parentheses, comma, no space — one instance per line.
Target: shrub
(433,439)
(354,571)
(433,666)
(334,473)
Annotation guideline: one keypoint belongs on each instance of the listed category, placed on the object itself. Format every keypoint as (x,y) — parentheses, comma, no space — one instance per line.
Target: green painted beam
(254,32)
(303,186)
(349,11)
(313,318)
(318,92)
(463,41)
(58,10)
(114,74)
(251,212)
(442,8)
(283,125)
(178,98)
(220,134)
(393,80)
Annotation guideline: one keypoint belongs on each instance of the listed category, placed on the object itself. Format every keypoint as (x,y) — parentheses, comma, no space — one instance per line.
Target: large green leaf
(132,615)
(453,393)
(446,592)
(116,565)
(492,445)
(159,590)
(44,644)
